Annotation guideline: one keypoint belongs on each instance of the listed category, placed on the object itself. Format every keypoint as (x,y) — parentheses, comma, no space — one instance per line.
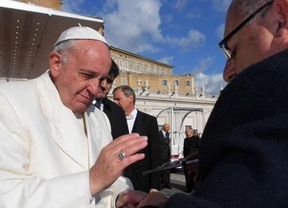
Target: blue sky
(182,33)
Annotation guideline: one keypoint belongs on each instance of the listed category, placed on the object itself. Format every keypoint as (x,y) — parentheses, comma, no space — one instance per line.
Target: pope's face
(77,75)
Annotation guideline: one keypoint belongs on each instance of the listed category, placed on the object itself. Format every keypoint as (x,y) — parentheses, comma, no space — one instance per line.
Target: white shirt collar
(131,119)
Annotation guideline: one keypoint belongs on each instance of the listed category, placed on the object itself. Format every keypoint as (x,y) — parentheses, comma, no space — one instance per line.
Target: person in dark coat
(145,125)
(191,142)
(243,154)
(113,111)
(165,154)
(191,145)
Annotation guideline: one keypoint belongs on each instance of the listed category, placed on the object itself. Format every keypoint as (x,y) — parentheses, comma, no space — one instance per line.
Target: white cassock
(45,155)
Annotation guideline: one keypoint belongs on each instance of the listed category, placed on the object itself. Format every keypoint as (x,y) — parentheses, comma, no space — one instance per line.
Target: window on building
(132,65)
(187,83)
(164,82)
(145,69)
(152,70)
(139,68)
(176,82)
(123,81)
(126,64)
(148,70)
(120,63)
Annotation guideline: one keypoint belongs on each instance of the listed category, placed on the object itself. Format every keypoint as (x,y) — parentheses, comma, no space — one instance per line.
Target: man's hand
(108,167)
(155,199)
(130,198)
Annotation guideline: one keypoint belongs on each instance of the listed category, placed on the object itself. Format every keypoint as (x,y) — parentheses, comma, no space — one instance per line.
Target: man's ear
(131,98)
(54,60)
(280,12)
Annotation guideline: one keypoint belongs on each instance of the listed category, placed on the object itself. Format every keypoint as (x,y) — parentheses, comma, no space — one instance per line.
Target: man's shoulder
(111,104)
(21,91)
(107,101)
(195,137)
(142,114)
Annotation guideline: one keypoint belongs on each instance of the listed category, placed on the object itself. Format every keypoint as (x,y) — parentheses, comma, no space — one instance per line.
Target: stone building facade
(156,88)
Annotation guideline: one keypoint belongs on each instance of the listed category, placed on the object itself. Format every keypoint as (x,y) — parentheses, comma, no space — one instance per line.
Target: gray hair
(127,90)
(189,128)
(65,48)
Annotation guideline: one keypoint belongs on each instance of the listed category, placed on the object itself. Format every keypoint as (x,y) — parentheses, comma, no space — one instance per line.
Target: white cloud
(139,29)
(135,25)
(212,83)
(134,30)
(220,31)
(194,13)
(167,60)
(203,65)
(221,5)
(72,6)
(194,39)
(167,18)
(180,5)
(129,25)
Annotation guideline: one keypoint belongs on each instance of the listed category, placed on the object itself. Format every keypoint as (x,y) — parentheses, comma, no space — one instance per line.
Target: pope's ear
(55,63)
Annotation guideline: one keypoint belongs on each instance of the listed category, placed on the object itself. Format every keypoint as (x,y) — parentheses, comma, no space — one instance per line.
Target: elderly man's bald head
(166,127)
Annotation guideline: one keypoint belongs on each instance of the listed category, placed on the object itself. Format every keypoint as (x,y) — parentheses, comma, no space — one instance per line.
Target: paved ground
(177,183)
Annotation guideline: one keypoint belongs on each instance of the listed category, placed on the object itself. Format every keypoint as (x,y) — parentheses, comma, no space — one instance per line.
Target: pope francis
(55,147)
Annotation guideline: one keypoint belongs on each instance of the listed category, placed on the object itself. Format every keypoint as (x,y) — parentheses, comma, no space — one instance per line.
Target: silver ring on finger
(121,156)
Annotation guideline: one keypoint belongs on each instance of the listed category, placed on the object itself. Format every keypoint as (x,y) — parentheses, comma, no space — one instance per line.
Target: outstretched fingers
(114,158)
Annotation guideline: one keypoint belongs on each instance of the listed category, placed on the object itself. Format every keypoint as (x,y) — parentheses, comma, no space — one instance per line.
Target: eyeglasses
(230,55)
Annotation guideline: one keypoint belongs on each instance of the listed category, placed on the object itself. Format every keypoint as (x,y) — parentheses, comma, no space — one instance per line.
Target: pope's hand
(113,159)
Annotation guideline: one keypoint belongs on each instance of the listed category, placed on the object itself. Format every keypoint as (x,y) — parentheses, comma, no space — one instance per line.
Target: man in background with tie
(113,111)
(143,124)
(165,154)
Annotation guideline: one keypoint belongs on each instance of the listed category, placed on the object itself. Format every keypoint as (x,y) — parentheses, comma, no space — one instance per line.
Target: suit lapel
(140,123)
(137,122)
(61,122)
(95,133)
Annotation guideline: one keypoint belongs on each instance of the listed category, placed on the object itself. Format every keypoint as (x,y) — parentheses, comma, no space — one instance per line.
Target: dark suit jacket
(191,145)
(146,125)
(244,147)
(165,148)
(116,117)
